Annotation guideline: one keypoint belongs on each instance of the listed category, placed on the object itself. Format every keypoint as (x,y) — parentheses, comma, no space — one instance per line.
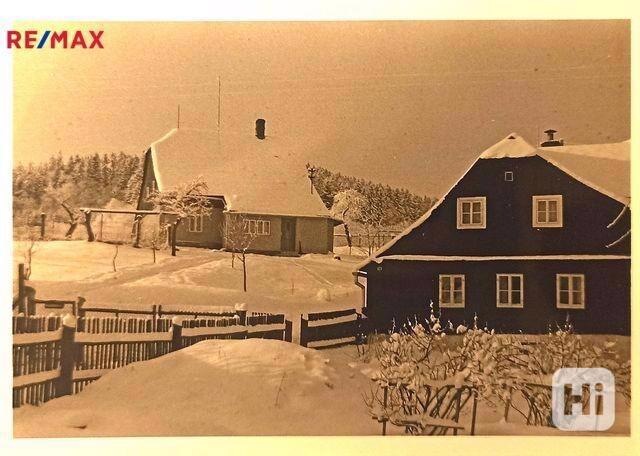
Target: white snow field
(194,278)
(217,387)
(241,387)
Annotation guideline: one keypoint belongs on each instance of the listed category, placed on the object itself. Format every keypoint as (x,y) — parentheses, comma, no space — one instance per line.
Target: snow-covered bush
(496,367)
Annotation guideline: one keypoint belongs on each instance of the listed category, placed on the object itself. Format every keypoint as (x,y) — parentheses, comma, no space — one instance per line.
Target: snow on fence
(269,326)
(36,354)
(55,356)
(331,329)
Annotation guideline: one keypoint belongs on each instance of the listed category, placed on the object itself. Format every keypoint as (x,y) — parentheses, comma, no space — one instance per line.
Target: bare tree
(30,250)
(238,238)
(186,200)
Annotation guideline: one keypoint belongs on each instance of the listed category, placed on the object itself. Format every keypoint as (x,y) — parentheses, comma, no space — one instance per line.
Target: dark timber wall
(400,289)
(509,230)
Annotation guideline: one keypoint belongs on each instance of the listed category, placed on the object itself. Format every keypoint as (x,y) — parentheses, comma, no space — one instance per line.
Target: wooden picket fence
(332,329)
(55,356)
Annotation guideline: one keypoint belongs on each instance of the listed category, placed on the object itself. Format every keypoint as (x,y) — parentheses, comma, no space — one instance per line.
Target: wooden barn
(259,178)
(527,237)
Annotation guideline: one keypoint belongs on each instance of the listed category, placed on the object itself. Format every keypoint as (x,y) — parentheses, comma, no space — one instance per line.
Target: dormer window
(472,213)
(547,211)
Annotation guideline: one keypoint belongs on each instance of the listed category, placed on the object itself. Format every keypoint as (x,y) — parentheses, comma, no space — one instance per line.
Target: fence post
(21,290)
(64,385)
(288,330)
(176,340)
(30,298)
(78,311)
(87,223)
(304,325)
(43,218)
(154,318)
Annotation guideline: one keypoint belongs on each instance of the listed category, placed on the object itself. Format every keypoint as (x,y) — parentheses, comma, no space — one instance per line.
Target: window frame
(570,291)
(451,304)
(509,176)
(509,305)
(194,221)
(483,213)
(534,211)
(265,225)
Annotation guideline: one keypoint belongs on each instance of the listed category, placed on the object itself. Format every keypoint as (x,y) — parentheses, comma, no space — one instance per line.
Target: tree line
(59,187)
(390,207)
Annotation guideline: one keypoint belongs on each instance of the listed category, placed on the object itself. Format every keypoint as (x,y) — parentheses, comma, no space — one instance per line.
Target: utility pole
(178,116)
(311,172)
(219,106)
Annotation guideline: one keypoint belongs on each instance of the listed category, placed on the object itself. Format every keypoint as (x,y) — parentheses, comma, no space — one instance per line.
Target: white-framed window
(451,288)
(509,290)
(472,213)
(570,291)
(195,223)
(508,176)
(547,211)
(257,227)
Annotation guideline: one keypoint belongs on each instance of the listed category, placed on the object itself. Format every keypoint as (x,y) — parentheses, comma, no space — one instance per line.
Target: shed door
(288,240)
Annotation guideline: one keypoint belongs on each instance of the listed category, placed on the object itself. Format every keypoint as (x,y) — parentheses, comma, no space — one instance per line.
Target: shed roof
(254,176)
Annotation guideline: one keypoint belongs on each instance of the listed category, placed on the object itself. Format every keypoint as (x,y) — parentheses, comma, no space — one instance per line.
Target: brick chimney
(551,142)
(260,128)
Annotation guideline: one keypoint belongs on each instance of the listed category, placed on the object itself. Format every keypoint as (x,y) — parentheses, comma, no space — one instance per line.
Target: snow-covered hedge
(497,367)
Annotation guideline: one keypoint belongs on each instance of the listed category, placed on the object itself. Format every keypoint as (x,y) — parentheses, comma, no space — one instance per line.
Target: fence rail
(332,329)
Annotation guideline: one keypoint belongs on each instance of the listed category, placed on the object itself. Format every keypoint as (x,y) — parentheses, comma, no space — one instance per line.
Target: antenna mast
(178,116)
(219,106)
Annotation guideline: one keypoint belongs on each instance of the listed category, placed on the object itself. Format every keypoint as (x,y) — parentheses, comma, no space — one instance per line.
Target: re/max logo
(31,39)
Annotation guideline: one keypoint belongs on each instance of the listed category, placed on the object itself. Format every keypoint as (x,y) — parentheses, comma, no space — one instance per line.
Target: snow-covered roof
(513,146)
(254,176)
(584,162)
(603,167)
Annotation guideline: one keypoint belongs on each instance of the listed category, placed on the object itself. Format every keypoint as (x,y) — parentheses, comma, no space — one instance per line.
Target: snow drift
(217,387)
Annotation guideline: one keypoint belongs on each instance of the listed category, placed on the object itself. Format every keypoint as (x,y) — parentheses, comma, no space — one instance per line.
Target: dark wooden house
(259,178)
(524,239)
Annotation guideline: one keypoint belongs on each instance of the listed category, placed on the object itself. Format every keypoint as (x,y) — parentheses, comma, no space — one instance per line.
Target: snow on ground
(242,387)
(80,260)
(226,387)
(194,278)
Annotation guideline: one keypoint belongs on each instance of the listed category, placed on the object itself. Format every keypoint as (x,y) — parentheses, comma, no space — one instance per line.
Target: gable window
(195,223)
(472,213)
(509,290)
(547,211)
(508,176)
(570,291)
(257,227)
(451,290)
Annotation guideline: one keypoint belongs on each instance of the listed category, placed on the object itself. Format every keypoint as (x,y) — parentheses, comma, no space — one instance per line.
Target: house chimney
(260,127)
(551,142)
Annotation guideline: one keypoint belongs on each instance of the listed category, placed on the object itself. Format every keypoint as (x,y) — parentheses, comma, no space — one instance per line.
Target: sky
(408,104)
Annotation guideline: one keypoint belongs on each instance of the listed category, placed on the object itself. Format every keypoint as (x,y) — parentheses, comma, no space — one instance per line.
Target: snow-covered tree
(184,201)
(238,237)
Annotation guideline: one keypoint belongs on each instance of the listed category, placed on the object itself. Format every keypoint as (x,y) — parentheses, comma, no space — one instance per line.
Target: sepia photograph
(321,228)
